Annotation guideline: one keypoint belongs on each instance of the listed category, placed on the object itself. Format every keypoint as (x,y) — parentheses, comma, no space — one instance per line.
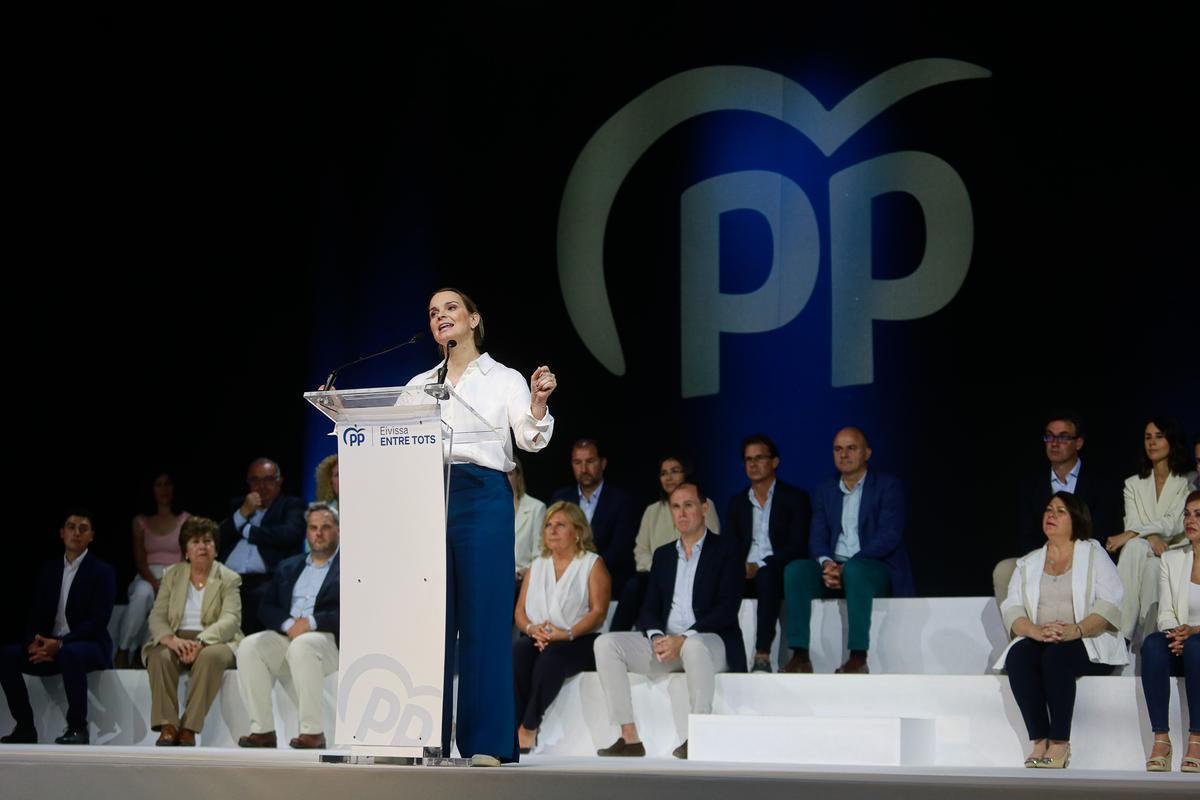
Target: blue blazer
(614,528)
(89,604)
(716,594)
(280,535)
(276,604)
(880,526)
(791,512)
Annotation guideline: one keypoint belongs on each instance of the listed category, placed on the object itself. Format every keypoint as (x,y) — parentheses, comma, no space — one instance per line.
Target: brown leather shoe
(797,664)
(187,738)
(621,749)
(168,736)
(258,740)
(854,665)
(308,741)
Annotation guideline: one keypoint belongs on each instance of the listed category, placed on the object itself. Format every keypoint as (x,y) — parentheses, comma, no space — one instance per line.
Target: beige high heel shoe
(1160,763)
(1056,763)
(1190,763)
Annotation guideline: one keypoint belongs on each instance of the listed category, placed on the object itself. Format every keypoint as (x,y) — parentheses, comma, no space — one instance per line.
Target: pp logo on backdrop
(353,437)
(858,299)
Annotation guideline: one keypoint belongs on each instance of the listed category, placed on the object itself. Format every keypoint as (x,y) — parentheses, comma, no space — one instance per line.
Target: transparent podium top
(406,402)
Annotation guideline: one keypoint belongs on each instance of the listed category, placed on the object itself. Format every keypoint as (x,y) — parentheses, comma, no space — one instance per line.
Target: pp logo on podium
(353,437)
(857,299)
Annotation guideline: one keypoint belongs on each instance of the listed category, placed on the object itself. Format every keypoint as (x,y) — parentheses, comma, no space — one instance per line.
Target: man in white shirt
(688,623)
(67,633)
(300,613)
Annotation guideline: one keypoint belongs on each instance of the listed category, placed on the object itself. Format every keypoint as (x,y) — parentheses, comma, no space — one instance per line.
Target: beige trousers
(618,654)
(163,668)
(300,665)
(1138,568)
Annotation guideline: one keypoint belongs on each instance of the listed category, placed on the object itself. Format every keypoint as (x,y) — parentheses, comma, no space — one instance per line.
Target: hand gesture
(541,385)
(299,625)
(666,648)
(251,504)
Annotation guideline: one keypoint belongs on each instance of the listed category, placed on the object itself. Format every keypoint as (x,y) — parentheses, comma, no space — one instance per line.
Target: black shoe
(73,736)
(20,735)
(681,751)
(761,664)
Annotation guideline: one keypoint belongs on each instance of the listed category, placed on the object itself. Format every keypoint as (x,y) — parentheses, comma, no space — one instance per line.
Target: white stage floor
(98,773)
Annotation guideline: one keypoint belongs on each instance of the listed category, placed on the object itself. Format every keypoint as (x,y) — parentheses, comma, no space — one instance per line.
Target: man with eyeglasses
(1063,438)
(263,528)
(769,520)
(856,550)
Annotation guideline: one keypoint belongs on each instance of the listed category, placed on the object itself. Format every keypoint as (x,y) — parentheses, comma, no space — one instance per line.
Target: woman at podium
(479,527)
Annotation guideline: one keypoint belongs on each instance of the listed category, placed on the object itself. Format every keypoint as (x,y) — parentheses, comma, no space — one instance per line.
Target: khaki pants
(618,654)
(1001,576)
(300,664)
(164,666)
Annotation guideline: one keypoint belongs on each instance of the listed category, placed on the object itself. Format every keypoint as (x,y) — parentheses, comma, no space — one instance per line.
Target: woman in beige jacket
(196,624)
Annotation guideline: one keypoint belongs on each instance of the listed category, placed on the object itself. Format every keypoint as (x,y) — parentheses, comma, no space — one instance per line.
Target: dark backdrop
(215,209)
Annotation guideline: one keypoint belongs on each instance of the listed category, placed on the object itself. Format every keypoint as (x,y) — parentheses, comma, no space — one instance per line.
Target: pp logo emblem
(857,300)
(393,708)
(353,437)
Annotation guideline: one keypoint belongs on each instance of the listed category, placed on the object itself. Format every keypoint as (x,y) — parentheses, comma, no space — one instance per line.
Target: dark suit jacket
(276,605)
(1102,498)
(280,535)
(614,528)
(791,513)
(89,604)
(880,526)
(716,594)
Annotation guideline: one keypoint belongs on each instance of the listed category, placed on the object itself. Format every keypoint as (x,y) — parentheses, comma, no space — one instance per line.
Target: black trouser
(1042,677)
(254,586)
(538,676)
(767,588)
(629,603)
(75,660)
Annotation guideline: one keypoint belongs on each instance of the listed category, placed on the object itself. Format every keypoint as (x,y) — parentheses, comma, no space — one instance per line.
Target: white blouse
(563,601)
(501,396)
(191,610)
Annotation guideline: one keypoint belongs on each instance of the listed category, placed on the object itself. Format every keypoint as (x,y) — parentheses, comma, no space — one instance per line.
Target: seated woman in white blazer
(1063,606)
(1153,518)
(1175,648)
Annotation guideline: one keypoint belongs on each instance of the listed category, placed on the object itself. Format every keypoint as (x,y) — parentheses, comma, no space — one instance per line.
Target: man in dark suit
(769,520)
(1063,437)
(609,509)
(689,621)
(67,633)
(856,549)
(300,612)
(263,529)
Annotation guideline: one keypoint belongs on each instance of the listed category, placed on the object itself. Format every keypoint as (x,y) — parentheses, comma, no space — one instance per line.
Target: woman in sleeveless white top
(563,605)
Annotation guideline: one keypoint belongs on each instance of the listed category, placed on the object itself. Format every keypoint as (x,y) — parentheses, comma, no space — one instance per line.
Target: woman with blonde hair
(328,482)
(563,604)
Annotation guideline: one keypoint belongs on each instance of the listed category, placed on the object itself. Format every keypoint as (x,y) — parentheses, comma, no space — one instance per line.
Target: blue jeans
(1159,665)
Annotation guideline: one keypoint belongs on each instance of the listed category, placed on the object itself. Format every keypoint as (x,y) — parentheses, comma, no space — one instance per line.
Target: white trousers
(134,631)
(618,654)
(300,664)
(1138,568)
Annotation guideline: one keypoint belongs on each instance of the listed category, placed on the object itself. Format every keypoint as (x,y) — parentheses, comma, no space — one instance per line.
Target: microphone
(333,375)
(438,389)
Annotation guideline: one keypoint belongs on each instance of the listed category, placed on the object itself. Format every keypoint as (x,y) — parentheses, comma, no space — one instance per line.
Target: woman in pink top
(155,547)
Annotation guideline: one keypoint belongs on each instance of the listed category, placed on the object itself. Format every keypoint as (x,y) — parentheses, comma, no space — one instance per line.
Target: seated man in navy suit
(67,633)
(689,621)
(609,509)
(263,529)
(300,612)
(770,520)
(1063,436)
(856,548)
